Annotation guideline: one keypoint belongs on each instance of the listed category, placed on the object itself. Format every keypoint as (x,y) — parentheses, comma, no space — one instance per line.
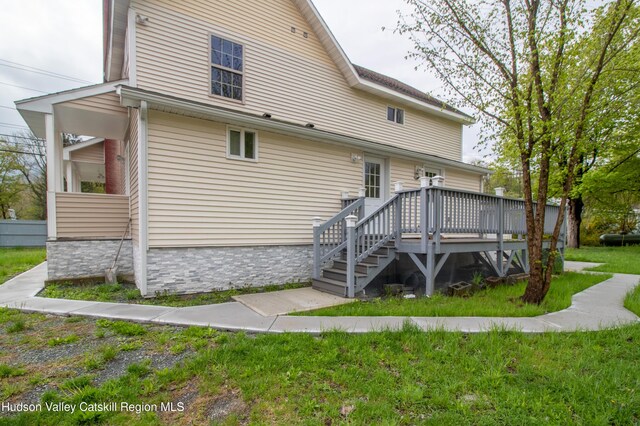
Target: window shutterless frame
(395,115)
(227,70)
(239,152)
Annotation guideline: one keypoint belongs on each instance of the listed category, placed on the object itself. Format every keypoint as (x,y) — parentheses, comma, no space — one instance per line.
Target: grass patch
(9,371)
(122,328)
(632,300)
(412,377)
(14,261)
(623,260)
(501,301)
(128,293)
(16,326)
(57,341)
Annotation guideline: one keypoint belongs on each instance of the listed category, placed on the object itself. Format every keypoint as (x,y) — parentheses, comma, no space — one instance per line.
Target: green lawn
(632,300)
(16,260)
(128,293)
(624,260)
(499,301)
(408,377)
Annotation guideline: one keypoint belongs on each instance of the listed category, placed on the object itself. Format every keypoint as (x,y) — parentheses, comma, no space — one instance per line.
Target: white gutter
(131,97)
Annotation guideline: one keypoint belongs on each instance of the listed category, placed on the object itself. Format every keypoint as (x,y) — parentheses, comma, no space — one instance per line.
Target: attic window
(227,68)
(395,114)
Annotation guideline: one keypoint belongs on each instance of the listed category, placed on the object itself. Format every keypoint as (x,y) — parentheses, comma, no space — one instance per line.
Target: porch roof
(72,118)
(132,97)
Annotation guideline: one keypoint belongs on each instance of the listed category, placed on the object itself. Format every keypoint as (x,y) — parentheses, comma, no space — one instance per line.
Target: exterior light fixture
(355,158)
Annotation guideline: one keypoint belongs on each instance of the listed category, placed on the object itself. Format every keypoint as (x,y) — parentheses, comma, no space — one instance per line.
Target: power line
(21,152)
(21,87)
(13,125)
(6,107)
(48,73)
(21,137)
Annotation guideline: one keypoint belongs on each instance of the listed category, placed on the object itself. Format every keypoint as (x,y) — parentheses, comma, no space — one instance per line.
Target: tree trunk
(576,206)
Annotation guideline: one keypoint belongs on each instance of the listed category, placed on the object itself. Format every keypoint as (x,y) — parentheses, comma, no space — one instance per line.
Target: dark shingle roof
(403,88)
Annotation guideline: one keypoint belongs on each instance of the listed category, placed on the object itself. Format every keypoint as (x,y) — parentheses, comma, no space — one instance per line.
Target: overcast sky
(65,37)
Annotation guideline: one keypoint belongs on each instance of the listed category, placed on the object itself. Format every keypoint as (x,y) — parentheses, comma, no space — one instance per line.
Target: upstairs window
(242,144)
(227,65)
(395,114)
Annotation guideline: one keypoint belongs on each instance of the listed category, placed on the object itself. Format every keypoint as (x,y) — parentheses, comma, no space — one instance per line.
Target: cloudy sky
(39,38)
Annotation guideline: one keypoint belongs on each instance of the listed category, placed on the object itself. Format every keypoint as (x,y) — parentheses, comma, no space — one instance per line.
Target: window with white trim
(227,68)
(242,144)
(395,114)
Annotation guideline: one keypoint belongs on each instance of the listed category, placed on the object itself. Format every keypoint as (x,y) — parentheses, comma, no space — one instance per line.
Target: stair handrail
(329,238)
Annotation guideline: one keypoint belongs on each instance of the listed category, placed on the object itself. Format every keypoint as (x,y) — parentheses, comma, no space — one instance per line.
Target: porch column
(70,177)
(54,172)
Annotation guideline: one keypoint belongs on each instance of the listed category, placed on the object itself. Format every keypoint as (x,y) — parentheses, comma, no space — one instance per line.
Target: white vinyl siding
(285,74)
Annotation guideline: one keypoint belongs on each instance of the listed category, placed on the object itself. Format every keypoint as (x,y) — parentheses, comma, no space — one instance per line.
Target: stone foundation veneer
(87,258)
(193,270)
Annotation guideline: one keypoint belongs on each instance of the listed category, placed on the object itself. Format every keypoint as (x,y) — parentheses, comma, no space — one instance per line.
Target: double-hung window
(242,144)
(227,68)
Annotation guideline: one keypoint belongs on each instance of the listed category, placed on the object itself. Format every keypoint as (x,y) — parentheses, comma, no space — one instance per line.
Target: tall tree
(533,68)
(10,184)
(32,164)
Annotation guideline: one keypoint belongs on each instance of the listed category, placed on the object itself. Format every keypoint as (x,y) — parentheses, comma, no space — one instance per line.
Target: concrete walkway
(598,307)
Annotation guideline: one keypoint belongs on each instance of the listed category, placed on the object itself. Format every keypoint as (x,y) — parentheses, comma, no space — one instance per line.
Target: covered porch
(87,178)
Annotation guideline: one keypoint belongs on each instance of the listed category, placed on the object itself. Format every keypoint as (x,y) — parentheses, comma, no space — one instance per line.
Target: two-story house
(221,129)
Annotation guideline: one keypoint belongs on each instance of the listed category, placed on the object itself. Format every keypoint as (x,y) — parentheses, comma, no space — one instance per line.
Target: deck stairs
(334,275)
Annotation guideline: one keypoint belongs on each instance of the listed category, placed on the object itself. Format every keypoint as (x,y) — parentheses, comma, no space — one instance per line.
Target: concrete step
(326,285)
(339,275)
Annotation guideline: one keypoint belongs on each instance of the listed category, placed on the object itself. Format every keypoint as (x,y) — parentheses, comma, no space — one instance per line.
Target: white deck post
(399,186)
(54,173)
(351,221)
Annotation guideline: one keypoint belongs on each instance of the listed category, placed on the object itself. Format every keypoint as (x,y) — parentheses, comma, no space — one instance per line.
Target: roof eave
(131,97)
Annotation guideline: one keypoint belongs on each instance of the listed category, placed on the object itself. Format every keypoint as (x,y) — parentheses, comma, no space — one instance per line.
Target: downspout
(143,200)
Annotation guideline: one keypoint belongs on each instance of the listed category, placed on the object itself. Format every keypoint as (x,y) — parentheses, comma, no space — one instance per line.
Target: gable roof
(401,87)
(115,24)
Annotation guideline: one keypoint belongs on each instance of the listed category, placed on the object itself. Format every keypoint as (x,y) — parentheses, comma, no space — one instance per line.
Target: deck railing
(330,238)
(430,212)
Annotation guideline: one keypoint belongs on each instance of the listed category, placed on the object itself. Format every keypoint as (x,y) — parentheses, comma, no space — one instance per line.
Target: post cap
(424,181)
(351,221)
(317,221)
(362,192)
(499,191)
(399,186)
(437,180)
(344,195)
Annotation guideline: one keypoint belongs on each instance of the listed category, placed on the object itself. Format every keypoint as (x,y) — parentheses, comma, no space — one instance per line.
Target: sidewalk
(598,307)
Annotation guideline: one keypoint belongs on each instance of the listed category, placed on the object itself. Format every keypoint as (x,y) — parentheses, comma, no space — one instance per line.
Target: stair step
(339,275)
(362,267)
(326,285)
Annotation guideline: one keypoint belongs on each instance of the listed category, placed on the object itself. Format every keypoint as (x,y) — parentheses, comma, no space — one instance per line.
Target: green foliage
(501,301)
